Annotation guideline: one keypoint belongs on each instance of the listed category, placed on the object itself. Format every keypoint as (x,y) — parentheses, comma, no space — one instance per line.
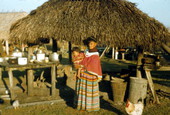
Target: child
(77,57)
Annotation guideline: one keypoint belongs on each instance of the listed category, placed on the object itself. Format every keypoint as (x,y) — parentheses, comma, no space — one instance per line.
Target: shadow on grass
(115,65)
(105,86)
(65,92)
(161,77)
(108,106)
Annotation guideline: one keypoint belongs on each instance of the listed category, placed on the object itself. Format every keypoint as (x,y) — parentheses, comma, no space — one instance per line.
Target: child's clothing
(76,62)
(78,59)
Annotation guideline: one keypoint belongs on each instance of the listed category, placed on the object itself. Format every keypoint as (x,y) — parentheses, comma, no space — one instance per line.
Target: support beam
(104,52)
(30,78)
(116,53)
(7,47)
(70,53)
(53,80)
(113,53)
(139,62)
(11,86)
(166,48)
(123,56)
(54,45)
(30,52)
(151,85)
(0,74)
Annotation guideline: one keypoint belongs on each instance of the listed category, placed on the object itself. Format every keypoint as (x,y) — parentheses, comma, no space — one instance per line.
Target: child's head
(75,51)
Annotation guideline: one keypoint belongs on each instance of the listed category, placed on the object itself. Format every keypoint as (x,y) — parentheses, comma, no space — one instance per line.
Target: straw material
(112,22)
(6,20)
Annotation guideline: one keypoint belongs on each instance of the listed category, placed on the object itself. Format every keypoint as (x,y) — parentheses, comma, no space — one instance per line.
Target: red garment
(92,63)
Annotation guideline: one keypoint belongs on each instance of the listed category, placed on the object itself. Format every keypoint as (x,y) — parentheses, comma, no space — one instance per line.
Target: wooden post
(0,74)
(30,52)
(11,87)
(148,75)
(103,52)
(166,48)
(116,53)
(23,47)
(123,56)
(7,47)
(139,63)
(54,45)
(30,78)
(53,80)
(113,53)
(70,53)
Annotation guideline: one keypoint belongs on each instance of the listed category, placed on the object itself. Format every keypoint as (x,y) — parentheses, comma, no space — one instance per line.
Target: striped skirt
(87,90)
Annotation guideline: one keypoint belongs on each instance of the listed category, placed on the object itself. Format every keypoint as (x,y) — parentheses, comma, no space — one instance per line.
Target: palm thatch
(6,20)
(169,29)
(112,22)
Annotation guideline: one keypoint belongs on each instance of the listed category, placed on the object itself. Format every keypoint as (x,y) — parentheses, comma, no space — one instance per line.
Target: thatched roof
(112,22)
(169,29)
(6,20)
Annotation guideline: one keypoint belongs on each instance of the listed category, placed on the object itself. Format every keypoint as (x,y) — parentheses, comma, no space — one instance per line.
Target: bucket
(137,89)
(118,90)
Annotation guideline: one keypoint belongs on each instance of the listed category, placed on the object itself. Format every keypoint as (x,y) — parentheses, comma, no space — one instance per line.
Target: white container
(17,53)
(22,61)
(40,57)
(6,58)
(54,57)
(1,59)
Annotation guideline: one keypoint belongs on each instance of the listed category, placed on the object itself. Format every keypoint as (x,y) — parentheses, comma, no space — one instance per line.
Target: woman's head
(90,42)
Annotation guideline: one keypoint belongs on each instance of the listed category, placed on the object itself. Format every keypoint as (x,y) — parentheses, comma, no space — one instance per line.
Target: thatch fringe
(6,20)
(112,22)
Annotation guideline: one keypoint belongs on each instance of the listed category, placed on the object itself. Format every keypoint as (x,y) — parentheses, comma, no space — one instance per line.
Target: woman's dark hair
(89,39)
(77,49)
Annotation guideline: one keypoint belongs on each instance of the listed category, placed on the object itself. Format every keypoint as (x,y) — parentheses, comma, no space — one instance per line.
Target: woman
(87,84)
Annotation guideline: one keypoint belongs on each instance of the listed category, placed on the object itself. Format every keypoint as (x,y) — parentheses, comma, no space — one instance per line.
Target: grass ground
(108,107)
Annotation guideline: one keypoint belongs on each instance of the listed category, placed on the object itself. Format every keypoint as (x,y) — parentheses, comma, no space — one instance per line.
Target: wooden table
(149,77)
(29,69)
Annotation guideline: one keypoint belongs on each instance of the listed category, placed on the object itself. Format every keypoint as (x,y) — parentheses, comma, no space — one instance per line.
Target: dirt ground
(62,104)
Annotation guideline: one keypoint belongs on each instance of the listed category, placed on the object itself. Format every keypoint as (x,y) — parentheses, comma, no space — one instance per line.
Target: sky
(158,9)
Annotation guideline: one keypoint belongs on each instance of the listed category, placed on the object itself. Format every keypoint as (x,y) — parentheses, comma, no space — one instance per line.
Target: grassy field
(108,107)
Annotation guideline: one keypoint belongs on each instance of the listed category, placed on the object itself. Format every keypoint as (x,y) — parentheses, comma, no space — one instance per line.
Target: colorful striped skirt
(87,90)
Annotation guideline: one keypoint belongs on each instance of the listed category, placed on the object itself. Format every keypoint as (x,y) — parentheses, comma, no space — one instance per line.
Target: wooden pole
(30,52)
(23,47)
(139,62)
(30,78)
(166,48)
(116,53)
(70,53)
(54,45)
(113,53)
(123,56)
(151,85)
(7,47)
(11,86)
(104,52)
(0,74)
(53,80)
